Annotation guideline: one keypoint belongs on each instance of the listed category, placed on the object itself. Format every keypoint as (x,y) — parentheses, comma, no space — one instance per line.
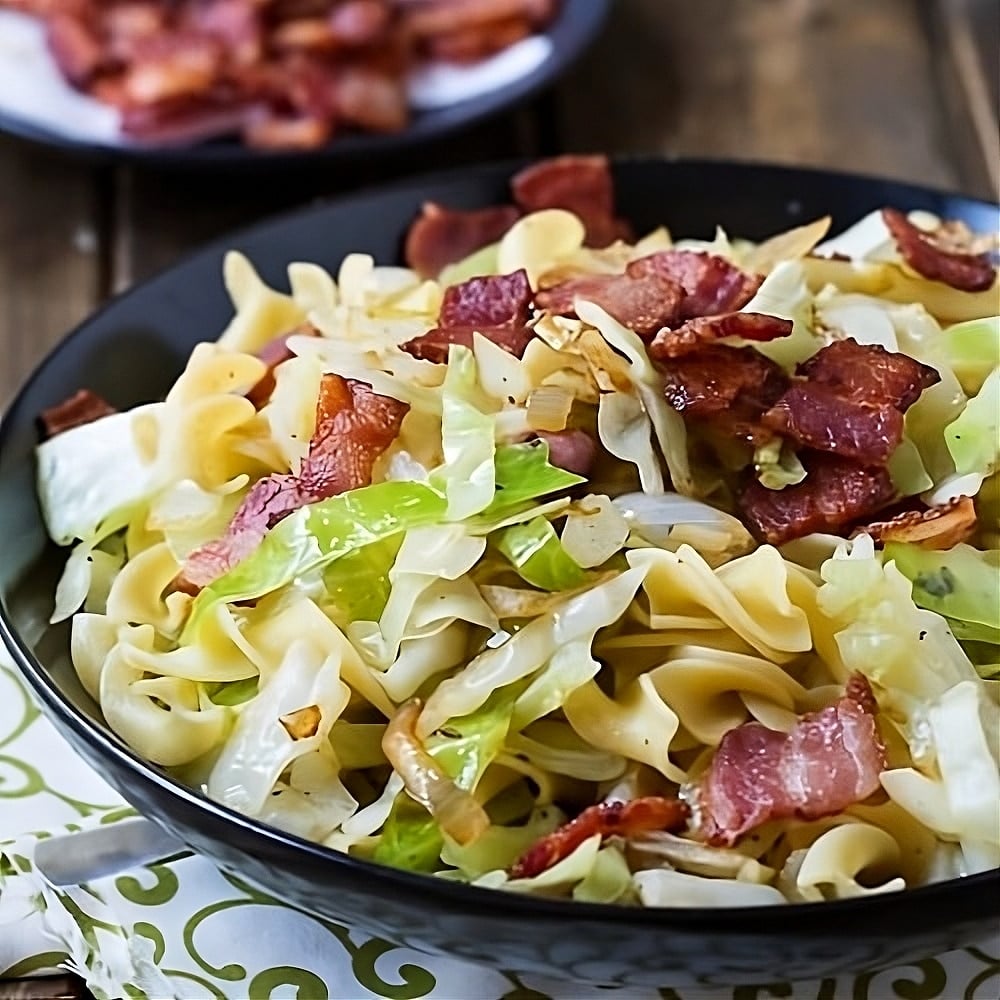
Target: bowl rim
(750,921)
(577,26)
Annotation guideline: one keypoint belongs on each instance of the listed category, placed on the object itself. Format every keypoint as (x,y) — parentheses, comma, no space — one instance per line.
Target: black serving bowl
(132,350)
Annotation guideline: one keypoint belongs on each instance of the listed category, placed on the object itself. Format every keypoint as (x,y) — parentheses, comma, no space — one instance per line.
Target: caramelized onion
(458,814)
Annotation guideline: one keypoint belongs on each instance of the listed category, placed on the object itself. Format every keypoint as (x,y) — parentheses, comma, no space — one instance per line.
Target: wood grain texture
(892,87)
(838,83)
(49,255)
(157,217)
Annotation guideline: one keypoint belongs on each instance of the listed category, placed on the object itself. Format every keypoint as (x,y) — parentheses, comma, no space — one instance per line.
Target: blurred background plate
(546,58)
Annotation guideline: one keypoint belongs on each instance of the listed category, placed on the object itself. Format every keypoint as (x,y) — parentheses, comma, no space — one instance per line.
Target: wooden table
(902,88)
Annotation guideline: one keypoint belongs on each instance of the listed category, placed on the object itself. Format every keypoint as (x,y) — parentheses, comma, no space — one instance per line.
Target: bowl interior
(131,352)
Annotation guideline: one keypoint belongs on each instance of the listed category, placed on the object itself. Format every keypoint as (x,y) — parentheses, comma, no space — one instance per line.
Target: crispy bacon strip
(183,70)
(852,401)
(354,425)
(496,306)
(939,527)
(726,388)
(644,303)
(867,373)
(582,185)
(815,416)
(625,819)
(441,236)
(830,760)
(836,492)
(83,407)
(705,329)
(963,271)
(711,284)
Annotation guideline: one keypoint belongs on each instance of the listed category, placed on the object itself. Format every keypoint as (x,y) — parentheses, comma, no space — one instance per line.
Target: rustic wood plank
(160,216)
(965,38)
(840,83)
(50,268)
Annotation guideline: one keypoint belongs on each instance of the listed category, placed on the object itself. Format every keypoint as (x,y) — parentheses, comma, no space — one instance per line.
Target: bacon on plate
(828,761)
(967,272)
(354,425)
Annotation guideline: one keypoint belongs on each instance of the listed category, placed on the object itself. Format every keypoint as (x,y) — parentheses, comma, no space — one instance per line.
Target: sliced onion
(548,408)
(696,858)
(458,814)
(654,516)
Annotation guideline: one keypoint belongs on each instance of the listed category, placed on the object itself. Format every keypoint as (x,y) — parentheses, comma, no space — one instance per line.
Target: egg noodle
(522,642)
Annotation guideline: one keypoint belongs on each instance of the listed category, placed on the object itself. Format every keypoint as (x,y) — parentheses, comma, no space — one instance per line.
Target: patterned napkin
(186,930)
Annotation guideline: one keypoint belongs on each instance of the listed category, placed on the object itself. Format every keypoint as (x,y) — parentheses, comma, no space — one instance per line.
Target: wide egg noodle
(831,866)
(261,314)
(703,686)
(166,719)
(749,595)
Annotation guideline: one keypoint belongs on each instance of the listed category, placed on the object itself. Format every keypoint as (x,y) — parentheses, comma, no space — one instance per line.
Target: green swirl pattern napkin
(186,930)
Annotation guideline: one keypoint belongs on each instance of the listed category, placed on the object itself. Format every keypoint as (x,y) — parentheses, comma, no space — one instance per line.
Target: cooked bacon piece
(494,300)
(728,388)
(466,30)
(359,22)
(472,44)
(624,819)
(836,492)
(851,401)
(573,450)
(433,346)
(830,760)
(83,407)
(316,66)
(868,373)
(815,416)
(705,329)
(711,284)
(582,185)
(441,236)
(939,527)
(963,271)
(235,23)
(354,425)
(644,304)
(371,100)
(495,306)
(76,49)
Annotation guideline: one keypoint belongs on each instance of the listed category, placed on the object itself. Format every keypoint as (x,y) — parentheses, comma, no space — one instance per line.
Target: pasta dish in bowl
(576,559)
